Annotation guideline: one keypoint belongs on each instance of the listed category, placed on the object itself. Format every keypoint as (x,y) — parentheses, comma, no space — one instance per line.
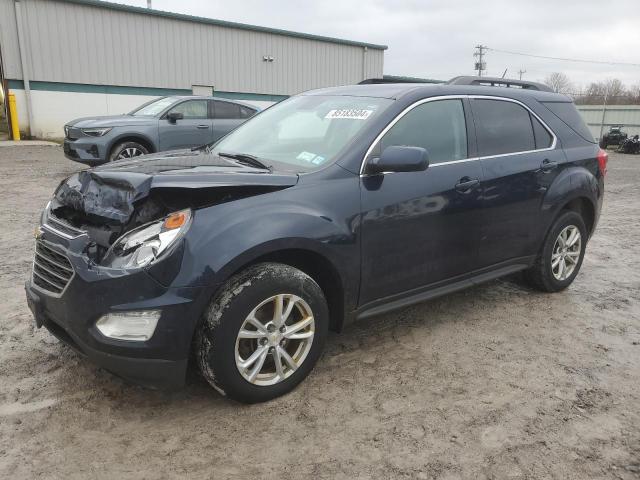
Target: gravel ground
(494,382)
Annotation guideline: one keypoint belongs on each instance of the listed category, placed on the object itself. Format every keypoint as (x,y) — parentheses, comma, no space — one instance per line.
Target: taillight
(603,158)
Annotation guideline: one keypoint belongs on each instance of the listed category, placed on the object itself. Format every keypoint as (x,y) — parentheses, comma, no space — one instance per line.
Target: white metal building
(601,117)
(72,58)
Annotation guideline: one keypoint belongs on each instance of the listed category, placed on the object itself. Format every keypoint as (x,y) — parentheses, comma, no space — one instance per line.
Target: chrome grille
(51,271)
(72,133)
(62,227)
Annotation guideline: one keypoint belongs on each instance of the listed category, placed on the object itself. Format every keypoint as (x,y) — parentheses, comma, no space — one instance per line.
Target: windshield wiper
(206,148)
(247,159)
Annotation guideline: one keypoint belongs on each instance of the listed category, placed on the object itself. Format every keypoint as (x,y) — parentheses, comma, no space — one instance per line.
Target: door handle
(465,184)
(547,166)
(202,127)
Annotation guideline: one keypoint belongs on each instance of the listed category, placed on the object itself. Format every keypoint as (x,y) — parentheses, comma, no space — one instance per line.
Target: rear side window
(437,126)
(541,134)
(226,110)
(502,127)
(568,113)
(246,112)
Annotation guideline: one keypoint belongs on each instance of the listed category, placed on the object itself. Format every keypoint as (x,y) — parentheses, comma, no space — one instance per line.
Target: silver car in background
(167,123)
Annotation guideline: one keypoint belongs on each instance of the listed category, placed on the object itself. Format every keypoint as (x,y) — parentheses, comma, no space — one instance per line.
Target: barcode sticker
(349,113)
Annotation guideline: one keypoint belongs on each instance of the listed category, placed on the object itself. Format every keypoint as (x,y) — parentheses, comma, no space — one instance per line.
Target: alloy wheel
(274,339)
(129,152)
(566,252)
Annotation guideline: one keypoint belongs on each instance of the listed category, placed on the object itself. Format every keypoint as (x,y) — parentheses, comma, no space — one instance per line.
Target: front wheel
(562,253)
(263,332)
(126,150)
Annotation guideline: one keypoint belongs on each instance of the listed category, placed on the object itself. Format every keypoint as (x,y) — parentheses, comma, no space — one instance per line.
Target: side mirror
(173,117)
(400,159)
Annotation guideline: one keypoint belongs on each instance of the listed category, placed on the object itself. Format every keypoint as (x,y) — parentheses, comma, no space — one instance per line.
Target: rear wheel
(263,332)
(562,253)
(127,150)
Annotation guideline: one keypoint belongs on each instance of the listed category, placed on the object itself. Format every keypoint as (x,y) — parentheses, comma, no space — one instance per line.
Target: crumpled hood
(112,121)
(112,191)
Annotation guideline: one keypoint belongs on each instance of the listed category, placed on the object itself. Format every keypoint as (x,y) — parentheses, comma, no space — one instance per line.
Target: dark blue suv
(334,205)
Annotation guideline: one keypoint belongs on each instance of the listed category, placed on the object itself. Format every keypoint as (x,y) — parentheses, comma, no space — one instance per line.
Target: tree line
(617,93)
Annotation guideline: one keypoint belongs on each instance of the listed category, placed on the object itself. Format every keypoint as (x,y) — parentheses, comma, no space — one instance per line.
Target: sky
(436,39)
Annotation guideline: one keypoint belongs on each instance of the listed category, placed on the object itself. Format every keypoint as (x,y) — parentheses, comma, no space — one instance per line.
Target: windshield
(154,107)
(303,133)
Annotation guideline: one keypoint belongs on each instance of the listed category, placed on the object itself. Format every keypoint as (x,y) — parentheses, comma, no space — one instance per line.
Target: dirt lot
(494,382)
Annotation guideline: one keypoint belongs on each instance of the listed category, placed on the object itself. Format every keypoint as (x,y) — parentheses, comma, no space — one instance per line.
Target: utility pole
(604,113)
(148,3)
(480,65)
(521,72)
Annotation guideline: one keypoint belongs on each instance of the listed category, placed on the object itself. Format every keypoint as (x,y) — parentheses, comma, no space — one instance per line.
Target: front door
(422,228)
(519,164)
(193,130)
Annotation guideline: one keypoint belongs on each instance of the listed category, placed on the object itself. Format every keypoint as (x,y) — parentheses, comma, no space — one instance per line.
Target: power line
(562,59)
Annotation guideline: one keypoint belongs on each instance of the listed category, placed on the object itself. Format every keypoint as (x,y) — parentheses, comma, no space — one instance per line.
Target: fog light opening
(137,326)
(93,151)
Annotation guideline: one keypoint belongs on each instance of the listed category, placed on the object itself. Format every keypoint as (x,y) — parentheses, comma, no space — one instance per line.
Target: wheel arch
(318,267)
(576,188)
(585,208)
(132,137)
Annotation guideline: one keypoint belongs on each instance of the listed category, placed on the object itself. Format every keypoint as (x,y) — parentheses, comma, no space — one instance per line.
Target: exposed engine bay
(108,204)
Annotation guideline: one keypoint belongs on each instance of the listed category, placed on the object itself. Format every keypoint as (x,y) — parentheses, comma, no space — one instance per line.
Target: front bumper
(88,150)
(93,291)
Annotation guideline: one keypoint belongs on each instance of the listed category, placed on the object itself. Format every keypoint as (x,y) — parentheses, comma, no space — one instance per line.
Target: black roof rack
(397,79)
(499,82)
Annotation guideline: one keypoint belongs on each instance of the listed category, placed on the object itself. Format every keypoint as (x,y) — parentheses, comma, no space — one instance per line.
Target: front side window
(303,133)
(502,127)
(191,109)
(438,126)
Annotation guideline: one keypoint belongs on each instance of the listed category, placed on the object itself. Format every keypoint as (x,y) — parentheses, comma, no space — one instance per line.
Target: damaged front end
(110,251)
(133,218)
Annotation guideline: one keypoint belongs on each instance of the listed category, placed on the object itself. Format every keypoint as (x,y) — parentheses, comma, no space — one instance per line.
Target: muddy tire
(561,256)
(126,150)
(262,333)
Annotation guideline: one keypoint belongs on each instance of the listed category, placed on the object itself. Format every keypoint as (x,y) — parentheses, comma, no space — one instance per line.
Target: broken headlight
(140,247)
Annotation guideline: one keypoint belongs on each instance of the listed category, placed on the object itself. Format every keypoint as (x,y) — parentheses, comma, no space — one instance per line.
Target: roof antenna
(505,72)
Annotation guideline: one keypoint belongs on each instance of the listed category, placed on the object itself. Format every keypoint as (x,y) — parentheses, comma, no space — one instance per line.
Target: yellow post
(13,114)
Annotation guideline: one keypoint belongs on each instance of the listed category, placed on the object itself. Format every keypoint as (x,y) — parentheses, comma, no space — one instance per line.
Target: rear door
(194,129)
(227,116)
(421,228)
(519,161)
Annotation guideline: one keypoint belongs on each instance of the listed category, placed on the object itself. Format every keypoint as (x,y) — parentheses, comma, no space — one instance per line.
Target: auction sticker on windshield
(350,113)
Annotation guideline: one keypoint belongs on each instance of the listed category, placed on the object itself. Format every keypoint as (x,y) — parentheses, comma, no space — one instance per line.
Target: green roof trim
(261,97)
(403,79)
(222,23)
(127,90)
(92,88)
